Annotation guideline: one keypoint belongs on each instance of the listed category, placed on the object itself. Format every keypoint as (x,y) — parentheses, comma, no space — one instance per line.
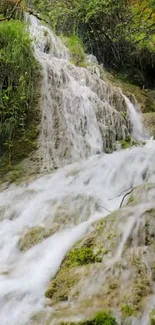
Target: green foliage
(128,142)
(120,33)
(76,50)
(101,318)
(152,317)
(81,256)
(127,310)
(60,287)
(19,75)
(104,318)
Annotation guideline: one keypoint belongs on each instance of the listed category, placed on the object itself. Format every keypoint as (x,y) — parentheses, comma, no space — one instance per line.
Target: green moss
(127,143)
(81,256)
(76,50)
(60,287)
(101,318)
(127,310)
(141,282)
(152,317)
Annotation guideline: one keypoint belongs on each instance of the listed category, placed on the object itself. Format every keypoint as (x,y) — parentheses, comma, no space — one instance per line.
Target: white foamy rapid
(71,198)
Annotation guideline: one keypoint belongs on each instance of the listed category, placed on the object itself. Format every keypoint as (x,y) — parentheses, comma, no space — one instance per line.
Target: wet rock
(149,122)
(122,280)
(34,236)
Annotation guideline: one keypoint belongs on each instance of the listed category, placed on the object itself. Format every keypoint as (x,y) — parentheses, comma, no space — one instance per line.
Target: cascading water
(79,117)
(82,115)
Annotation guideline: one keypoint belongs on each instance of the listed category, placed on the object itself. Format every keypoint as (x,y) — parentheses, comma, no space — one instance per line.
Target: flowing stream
(78,119)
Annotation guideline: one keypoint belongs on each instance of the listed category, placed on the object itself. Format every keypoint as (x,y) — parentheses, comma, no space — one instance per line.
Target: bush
(19,74)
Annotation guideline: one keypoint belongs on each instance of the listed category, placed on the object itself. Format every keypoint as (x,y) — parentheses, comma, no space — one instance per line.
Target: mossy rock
(78,56)
(121,283)
(34,236)
(149,123)
(101,318)
(127,310)
(66,278)
(60,287)
(81,256)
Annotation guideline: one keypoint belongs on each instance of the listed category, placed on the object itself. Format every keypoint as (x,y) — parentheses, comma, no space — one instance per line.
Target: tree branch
(12,12)
(101,206)
(126,195)
(29,11)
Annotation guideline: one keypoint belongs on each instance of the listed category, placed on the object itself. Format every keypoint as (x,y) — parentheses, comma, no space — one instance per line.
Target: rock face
(112,268)
(149,122)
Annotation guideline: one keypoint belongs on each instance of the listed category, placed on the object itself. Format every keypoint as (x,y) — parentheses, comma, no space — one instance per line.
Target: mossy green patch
(141,283)
(127,310)
(101,318)
(81,256)
(60,287)
(152,317)
(76,50)
(129,142)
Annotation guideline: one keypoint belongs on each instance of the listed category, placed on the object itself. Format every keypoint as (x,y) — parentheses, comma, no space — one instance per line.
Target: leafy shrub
(120,33)
(19,74)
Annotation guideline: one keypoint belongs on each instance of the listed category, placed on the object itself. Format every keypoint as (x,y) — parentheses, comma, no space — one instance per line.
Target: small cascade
(135,117)
(82,115)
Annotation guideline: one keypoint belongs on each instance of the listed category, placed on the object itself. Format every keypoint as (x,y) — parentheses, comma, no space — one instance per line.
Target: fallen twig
(120,193)
(101,206)
(126,195)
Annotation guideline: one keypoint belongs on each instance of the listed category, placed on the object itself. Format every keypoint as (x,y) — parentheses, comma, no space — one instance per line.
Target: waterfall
(134,112)
(82,115)
(81,118)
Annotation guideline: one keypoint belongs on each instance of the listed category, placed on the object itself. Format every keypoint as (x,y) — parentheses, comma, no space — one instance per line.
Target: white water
(134,112)
(81,114)
(73,196)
